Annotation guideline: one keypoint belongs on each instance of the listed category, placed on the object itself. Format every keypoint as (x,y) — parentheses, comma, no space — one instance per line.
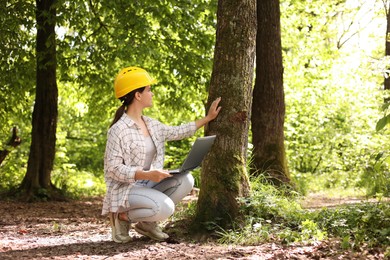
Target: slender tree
(387,44)
(385,120)
(44,118)
(224,176)
(268,108)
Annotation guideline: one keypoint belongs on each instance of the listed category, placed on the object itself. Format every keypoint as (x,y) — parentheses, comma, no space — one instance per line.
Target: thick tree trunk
(224,176)
(44,118)
(268,109)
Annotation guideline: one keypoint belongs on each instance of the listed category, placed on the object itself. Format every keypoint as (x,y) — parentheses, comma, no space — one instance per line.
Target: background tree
(386,7)
(268,108)
(224,176)
(385,120)
(44,121)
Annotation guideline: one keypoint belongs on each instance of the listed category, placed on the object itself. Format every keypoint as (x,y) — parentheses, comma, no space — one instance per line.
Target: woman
(138,189)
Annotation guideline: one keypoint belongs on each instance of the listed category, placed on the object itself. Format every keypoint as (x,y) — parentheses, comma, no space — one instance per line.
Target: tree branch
(101,23)
(13,142)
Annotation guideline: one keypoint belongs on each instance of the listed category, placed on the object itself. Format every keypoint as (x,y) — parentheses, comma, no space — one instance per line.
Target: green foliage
(270,215)
(332,97)
(385,120)
(376,176)
(171,40)
(357,224)
(14,166)
(387,252)
(76,184)
(186,211)
(17,79)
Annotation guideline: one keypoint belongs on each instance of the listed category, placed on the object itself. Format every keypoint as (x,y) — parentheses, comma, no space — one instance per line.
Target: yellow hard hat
(131,78)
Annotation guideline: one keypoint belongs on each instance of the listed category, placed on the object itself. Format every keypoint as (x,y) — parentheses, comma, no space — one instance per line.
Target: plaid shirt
(125,154)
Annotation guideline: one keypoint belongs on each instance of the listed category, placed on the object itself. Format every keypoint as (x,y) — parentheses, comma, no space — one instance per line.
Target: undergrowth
(272,214)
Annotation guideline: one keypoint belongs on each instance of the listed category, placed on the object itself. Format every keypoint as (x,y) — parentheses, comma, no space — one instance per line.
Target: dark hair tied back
(126,101)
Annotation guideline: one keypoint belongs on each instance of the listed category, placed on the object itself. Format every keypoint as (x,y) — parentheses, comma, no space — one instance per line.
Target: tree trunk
(224,176)
(387,46)
(37,182)
(268,108)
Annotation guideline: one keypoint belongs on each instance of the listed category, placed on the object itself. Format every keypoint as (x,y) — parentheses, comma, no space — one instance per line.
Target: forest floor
(76,230)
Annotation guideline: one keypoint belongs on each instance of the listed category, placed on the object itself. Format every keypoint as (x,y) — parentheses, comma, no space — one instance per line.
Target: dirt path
(319,200)
(76,230)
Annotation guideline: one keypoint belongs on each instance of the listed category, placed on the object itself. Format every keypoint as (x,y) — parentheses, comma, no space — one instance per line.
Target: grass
(271,215)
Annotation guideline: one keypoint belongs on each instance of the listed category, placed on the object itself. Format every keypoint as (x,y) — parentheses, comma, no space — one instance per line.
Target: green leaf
(382,122)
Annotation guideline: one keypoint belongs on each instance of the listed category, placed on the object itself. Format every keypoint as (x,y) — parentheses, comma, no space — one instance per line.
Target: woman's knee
(188,181)
(146,204)
(167,208)
(151,209)
(163,209)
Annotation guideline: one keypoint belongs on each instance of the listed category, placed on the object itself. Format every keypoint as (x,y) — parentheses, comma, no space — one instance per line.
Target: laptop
(195,157)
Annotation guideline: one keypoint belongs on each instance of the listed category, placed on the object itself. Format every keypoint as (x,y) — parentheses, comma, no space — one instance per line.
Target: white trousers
(155,201)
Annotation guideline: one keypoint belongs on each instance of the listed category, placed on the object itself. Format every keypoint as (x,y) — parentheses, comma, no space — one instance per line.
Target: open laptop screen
(195,157)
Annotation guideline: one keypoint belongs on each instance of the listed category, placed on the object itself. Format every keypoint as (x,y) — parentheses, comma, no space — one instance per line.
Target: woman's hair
(126,101)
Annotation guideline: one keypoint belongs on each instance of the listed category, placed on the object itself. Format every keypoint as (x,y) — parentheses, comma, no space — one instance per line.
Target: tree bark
(268,110)
(224,175)
(44,117)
